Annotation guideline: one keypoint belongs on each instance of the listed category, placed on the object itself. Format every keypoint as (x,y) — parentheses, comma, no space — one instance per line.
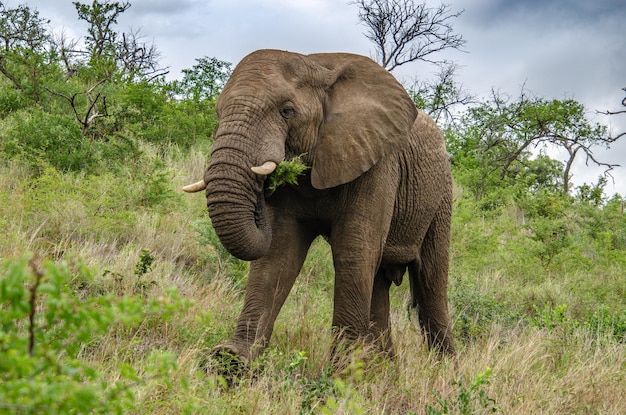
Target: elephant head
(341,112)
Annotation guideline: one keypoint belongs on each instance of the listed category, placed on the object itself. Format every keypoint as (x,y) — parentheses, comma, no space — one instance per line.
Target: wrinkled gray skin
(379,190)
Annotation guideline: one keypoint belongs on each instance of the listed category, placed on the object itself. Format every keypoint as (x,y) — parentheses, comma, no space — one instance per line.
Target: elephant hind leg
(429,284)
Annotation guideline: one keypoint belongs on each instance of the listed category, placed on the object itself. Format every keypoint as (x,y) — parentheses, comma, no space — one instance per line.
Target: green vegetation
(114,287)
(287,172)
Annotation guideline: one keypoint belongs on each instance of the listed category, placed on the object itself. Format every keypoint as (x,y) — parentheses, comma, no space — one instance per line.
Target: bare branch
(92,113)
(441,97)
(404,31)
(616,112)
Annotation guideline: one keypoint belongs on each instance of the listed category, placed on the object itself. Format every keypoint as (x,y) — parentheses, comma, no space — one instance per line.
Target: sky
(556,49)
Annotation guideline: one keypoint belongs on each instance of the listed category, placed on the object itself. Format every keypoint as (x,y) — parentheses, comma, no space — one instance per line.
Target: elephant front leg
(361,301)
(269,282)
(358,236)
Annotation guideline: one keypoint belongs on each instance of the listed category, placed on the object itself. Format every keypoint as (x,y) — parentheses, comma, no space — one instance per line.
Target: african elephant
(378,189)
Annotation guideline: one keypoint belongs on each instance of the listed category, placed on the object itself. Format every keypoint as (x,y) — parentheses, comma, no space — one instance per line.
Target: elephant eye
(287,112)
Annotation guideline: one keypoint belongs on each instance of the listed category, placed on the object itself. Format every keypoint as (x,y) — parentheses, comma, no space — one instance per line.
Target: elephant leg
(357,241)
(429,281)
(270,280)
(379,312)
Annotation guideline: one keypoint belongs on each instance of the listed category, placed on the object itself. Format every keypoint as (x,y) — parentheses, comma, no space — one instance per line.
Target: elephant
(378,188)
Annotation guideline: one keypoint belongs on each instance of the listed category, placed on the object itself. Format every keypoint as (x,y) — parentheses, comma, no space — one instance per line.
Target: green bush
(46,327)
(11,100)
(40,138)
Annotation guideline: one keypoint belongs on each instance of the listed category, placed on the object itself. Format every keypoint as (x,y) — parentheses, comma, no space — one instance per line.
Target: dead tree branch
(404,31)
(93,112)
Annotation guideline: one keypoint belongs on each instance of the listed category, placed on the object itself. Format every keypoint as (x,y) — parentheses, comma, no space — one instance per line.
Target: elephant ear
(367,116)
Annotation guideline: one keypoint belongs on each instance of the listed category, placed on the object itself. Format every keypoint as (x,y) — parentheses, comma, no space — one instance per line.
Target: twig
(35,266)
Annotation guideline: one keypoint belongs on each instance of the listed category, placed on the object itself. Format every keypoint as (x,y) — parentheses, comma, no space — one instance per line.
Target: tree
(111,56)
(505,132)
(94,108)
(404,31)
(204,81)
(112,52)
(23,49)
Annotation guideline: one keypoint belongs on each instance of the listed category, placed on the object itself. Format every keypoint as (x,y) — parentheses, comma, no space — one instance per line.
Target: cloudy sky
(555,48)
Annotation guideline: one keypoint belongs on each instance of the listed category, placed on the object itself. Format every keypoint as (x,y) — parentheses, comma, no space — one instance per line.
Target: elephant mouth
(267,190)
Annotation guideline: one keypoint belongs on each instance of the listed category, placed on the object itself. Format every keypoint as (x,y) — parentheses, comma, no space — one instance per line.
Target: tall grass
(532,338)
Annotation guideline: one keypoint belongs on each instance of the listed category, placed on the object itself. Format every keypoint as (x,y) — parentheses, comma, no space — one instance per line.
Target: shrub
(46,327)
(42,138)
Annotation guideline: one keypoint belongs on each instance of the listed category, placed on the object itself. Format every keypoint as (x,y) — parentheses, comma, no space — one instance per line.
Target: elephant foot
(228,361)
(365,349)
(443,345)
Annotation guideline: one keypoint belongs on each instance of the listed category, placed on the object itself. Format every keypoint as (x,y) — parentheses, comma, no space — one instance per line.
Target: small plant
(287,172)
(142,267)
(346,399)
(550,318)
(602,322)
(297,363)
(471,399)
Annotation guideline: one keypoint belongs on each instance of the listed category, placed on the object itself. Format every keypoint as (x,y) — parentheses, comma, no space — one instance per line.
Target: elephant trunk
(236,205)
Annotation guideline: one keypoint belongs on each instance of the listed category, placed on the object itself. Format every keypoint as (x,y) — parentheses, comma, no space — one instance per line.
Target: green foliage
(345,400)
(46,327)
(315,389)
(496,137)
(11,100)
(550,317)
(203,81)
(287,172)
(475,311)
(552,235)
(25,61)
(471,398)
(601,324)
(439,98)
(42,138)
(182,123)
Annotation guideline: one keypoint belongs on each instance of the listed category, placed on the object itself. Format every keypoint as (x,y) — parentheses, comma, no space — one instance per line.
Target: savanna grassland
(114,287)
(110,303)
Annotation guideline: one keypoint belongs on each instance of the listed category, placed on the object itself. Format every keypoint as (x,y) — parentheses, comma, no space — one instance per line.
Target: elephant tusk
(195,187)
(266,169)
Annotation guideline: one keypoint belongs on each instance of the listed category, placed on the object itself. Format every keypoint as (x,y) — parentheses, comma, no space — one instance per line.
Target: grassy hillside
(113,288)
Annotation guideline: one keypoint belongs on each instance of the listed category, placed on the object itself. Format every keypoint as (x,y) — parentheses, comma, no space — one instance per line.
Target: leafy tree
(24,56)
(502,134)
(204,81)
(113,59)
(111,51)
(592,193)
